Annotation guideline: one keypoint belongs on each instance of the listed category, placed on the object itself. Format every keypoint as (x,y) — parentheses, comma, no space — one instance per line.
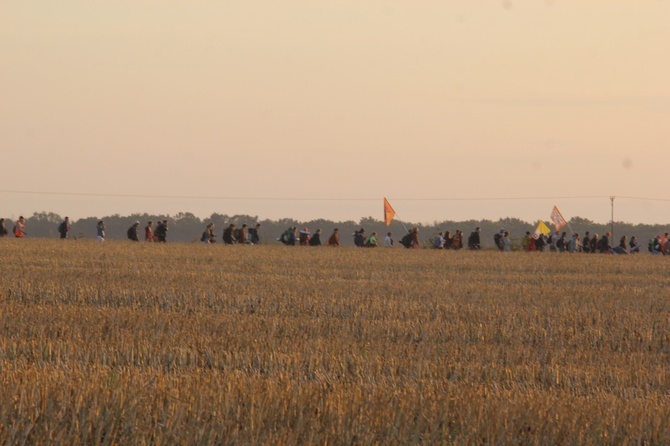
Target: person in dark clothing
(562,242)
(498,239)
(474,241)
(64,228)
(622,248)
(634,245)
(293,236)
(133,232)
(208,235)
(3,228)
(316,238)
(604,244)
(229,235)
(586,243)
(448,240)
(594,244)
(540,243)
(359,238)
(254,234)
(161,231)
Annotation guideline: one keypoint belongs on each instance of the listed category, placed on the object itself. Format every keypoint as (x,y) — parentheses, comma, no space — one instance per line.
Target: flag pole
(403,224)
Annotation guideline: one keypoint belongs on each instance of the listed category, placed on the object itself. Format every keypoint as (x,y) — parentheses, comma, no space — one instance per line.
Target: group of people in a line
(244,235)
(19,229)
(303,237)
(150,234)
(445,240)
(555,242)
(561,242)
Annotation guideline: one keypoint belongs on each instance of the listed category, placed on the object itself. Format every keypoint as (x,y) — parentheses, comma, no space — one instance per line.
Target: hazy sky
(336,100)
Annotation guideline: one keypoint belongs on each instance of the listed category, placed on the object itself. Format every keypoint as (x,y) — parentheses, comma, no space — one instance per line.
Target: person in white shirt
(388,241)
(439,241)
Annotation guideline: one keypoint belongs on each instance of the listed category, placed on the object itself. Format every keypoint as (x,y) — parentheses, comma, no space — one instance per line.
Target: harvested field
(125,343)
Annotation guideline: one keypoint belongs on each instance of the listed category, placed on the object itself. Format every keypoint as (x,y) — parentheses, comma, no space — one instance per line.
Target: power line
(643,198)
(237,198)
(201,197)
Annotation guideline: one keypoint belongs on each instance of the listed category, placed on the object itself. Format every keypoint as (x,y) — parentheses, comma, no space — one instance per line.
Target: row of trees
(185,227)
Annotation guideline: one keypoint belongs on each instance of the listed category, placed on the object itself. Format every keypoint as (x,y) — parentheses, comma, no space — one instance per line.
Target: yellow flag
(557,219)
(541,229)
(389,213)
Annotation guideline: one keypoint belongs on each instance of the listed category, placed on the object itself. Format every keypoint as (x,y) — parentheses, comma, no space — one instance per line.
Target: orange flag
(389,213)
(557,219)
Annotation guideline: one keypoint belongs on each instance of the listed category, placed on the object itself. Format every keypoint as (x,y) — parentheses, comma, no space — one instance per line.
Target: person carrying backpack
(254,234)
(229,235)
(133,232)
(359,238)
(64,228)
(498,239)
(562,242)
(406,240)
(161,231)
(586,242)
(208,235)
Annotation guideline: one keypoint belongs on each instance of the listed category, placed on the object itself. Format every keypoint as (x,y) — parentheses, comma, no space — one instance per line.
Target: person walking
(334,239)
(20,228)
(474,241)
(388,240)
(372,241)
(448,240)
(316,238)
(562,242)
(64,228)
(439,241)
(255,234)
(359,238)
(149,233)
(634,245)
(3,228)
(622,248)
(241,235)
(161,231)
(229,235)
(415,237)
(303,237)
(133,232)
(586,242)
(457,241)
(573,243)
(498,239)
(208,235)
(507,242)
(604,244)
(100,229)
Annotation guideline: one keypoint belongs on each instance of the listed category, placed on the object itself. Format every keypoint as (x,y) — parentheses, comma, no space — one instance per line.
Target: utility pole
(612,221)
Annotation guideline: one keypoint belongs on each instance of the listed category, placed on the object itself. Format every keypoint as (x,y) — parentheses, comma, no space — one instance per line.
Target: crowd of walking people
(590,243)
(552,242)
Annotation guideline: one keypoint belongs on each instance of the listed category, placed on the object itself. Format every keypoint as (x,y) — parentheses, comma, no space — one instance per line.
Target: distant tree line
(185,227)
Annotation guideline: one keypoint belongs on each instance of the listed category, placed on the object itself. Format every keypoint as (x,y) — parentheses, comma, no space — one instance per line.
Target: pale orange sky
(342,99)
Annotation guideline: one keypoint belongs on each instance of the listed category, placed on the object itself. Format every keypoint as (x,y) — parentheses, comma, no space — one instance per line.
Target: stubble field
(127,343)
